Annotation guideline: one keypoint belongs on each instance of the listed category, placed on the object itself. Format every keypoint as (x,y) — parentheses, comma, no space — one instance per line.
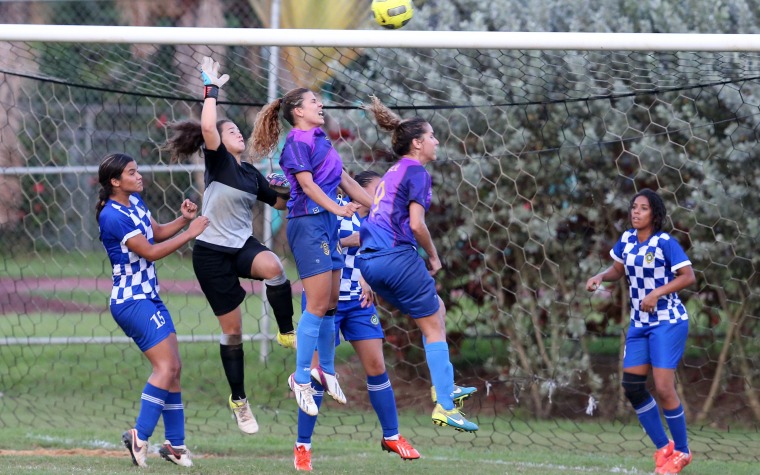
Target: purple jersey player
(314,170)
(389,260)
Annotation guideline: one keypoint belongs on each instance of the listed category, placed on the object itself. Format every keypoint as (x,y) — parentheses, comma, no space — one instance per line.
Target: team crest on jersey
(325,248)
(649,257)
(375,319)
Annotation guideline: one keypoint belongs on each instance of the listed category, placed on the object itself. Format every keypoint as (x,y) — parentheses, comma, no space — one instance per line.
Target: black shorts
(219,273)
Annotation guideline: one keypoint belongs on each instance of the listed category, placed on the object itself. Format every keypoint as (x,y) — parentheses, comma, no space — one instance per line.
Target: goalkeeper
(227,250)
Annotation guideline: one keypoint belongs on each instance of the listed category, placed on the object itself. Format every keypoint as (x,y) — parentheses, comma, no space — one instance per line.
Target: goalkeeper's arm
(211,84)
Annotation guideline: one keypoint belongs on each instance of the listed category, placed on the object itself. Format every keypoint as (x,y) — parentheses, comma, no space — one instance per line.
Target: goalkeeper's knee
(635,388)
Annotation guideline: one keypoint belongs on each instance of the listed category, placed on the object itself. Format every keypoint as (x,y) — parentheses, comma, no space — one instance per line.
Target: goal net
(543,141)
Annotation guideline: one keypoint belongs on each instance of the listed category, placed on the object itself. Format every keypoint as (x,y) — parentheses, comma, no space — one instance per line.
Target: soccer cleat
(675,463)
(330,382)
(241,412)
(178,455)
(138,449)
(458,395)
(304,396)
(663,454)
(452,418)
(302,458)
(403,448)
(287,340)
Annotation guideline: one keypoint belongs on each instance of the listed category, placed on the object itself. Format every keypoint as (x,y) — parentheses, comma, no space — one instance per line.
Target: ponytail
(267,129)
(403,131)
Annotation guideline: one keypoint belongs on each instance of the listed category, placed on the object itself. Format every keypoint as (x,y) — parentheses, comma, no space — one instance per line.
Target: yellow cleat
(452,418)
(287,340)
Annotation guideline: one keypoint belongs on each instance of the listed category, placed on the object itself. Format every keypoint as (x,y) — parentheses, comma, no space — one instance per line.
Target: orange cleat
(675,463)
(302,460)
(403,448)
(663,454)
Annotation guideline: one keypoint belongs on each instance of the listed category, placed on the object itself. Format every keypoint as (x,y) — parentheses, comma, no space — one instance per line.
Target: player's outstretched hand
(593,283)
(189,210)
(210,73)
(198,225)
(348,210)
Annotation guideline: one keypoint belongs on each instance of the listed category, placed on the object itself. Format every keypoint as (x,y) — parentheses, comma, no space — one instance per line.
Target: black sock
(234,367)
(281,299)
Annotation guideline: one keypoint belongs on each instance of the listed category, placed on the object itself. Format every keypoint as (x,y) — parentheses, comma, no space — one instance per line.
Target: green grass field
(63,407)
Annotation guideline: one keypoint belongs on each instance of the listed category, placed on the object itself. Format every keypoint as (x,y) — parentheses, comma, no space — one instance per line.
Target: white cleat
(178,454)
(138,449)
(241,412)
(304,396)
(330,382)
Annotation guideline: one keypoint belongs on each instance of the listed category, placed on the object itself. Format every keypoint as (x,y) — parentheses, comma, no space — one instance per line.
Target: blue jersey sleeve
(118,226)
(617,251)
(675,257)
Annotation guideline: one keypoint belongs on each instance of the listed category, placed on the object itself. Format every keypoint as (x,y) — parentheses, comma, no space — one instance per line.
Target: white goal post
(382,38)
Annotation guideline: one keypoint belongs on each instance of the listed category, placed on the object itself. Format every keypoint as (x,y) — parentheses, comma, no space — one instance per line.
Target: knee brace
(331,312)
(635,388)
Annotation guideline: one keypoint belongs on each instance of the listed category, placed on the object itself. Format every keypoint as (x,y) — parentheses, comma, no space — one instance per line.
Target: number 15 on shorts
(158,319)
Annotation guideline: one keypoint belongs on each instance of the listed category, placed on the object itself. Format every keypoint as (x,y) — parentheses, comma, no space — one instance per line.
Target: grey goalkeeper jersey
(232,190)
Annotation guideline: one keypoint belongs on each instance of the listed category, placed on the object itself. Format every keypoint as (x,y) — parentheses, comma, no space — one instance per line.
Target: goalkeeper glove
(211,79)
(280,184)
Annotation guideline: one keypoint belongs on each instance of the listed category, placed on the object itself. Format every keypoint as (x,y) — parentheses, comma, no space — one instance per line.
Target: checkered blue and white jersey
(134,277)
(648,265)
(349,279)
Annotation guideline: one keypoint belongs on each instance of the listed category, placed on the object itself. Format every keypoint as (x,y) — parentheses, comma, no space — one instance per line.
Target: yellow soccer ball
(392,14)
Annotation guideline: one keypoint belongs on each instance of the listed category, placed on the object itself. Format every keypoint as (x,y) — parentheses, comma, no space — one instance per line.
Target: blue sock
(151,406)
(174,419)
(677,424)
(326,344)
(306,422)
(306,343)
(649,416)
(384,402)
(441,372)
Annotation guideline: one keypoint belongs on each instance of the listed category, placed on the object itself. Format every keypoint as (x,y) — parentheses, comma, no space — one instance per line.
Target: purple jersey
(387,225)
(310,151)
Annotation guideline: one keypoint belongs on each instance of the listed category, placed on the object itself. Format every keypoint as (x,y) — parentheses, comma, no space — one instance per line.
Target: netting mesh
(540,153)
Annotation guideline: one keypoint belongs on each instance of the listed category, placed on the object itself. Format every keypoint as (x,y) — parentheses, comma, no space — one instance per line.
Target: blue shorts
(353,321)
(146,321)
(357,323)
(401,278)
(661,345)
(315,245)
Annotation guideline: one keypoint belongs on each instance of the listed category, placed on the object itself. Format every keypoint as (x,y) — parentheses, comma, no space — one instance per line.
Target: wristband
(284,196)
(210,90)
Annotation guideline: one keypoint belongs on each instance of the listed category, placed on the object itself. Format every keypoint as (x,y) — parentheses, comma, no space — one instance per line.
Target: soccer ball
(392,14)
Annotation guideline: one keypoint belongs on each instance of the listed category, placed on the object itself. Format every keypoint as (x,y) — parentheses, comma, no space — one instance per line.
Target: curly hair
(403,131)
(187,138)
(656,204)
(267,128)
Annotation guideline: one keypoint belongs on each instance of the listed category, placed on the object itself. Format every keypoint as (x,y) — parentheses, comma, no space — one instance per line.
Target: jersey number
(158,319)
(379,194)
